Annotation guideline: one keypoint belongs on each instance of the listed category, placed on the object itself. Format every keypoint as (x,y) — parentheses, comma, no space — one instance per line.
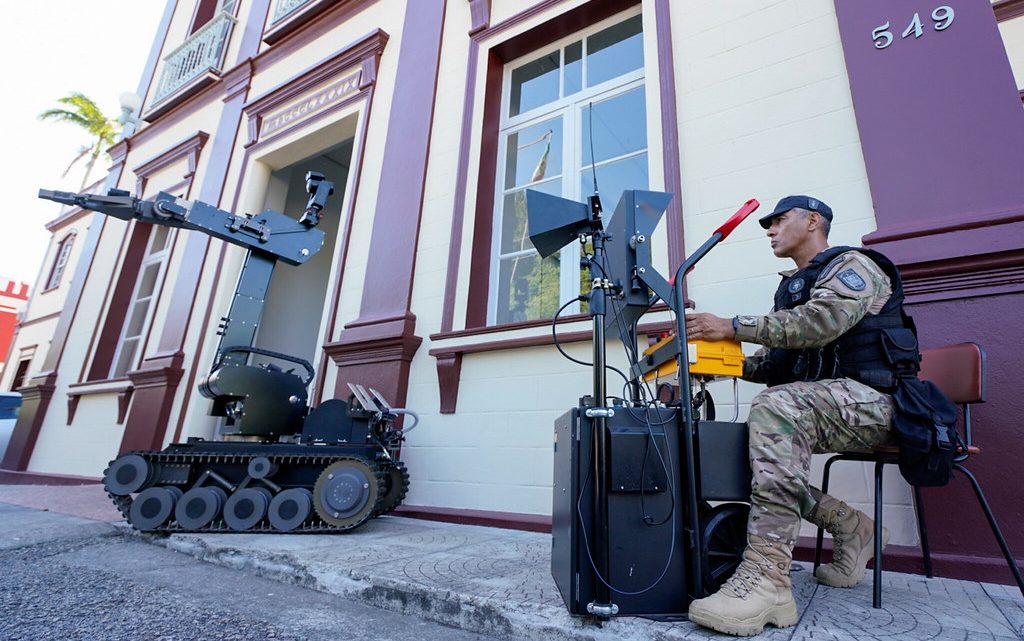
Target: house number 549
(941,16)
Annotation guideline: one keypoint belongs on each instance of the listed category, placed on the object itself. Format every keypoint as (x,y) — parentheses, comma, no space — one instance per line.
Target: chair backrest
(957,370)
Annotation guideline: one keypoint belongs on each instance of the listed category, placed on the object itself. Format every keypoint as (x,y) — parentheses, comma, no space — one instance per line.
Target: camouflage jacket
(834,307)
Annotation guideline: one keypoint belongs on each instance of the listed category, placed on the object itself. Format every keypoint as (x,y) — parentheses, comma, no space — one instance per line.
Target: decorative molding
(316,89)
(122,387)
(303,16)
(449,372)
(374,351)
(66,218)
(491,31)
(237,80)
(479,15)
(308,29)
(188,148)
(449,357)
(966,277)
(1008,9)
(39,319)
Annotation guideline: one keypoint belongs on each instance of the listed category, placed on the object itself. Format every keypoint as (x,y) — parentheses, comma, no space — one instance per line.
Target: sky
(52,48)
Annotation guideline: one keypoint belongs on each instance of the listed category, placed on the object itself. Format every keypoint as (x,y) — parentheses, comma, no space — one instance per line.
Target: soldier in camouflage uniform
(811,406)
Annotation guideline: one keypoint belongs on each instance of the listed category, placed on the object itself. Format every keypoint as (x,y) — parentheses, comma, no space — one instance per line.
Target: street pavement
(497,582)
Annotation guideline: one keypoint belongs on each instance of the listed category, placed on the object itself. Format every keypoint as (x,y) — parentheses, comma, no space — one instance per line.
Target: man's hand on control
(708,327)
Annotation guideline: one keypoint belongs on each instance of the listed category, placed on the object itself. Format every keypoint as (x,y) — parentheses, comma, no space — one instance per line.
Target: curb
(486,616)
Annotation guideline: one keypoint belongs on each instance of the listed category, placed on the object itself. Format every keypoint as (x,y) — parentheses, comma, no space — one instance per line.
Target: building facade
(13,296)
(433,116)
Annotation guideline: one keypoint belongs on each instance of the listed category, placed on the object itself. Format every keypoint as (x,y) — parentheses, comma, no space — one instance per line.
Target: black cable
(558,346)
(586,540)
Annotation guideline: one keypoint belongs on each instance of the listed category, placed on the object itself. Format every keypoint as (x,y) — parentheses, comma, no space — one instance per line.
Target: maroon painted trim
(536,9)
(479,16)
(36,398)
(483,217)
(119,295)
(973,277)
(40,319)
(449,357)
(355,169)
(364,53)
(73,214)
(1008,9)
(188,148)
(310,30)
(486,518)
(449,372)
(508,327)
(105,340)
(301,17)
(538,340)
(8,477)
(451,281)
(670,133)
(395,235)
(500,53)
(151,404)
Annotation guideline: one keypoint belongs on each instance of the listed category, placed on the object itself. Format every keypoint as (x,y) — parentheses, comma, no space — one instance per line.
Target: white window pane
(147,282)
(573,73)
(534,84)
(528,288)
(158,239)
(620,126)
(533,153)
(615,51)
(514,228)
(616,177)
(137,318)
(126,358)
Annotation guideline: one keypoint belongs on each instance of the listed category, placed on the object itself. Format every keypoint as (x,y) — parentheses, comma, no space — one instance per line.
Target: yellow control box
(707,358)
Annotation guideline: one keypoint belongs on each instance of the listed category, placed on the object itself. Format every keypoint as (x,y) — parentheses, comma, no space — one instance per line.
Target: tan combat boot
(853,541)
(756,594)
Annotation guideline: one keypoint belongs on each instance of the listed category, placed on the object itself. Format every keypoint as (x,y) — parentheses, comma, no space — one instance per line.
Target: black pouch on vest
(924,423)
(899,345)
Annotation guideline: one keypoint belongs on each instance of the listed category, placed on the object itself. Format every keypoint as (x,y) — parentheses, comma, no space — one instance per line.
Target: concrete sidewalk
(498,582)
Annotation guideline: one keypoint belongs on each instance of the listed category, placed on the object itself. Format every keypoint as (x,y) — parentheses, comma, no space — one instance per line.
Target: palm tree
(84,113)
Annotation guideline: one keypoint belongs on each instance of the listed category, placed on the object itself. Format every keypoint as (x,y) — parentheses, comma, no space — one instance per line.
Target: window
(60,262)
(589,82)
(207,9)
(21,374)
(140,309)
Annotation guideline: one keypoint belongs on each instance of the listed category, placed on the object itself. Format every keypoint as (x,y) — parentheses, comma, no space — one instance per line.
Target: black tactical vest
(875,351)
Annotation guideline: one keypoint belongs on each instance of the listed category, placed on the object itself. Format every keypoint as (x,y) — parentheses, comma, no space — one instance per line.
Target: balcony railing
(203,51)
(285,7)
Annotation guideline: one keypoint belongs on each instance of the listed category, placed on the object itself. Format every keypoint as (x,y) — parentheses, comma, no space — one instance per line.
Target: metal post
(602,605)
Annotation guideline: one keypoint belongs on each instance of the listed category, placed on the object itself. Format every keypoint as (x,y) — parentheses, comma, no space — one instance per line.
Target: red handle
(737,218)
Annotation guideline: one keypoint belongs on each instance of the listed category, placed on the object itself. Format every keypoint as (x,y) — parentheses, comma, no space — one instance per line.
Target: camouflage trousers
(788,423)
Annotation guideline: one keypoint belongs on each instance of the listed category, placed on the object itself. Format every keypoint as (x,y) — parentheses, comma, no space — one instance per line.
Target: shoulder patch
(795,285)
(852,279)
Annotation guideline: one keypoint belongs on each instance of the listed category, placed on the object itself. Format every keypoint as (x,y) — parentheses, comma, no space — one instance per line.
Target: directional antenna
(363,397)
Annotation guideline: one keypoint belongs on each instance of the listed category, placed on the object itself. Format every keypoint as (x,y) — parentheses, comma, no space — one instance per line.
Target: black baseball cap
(810,203)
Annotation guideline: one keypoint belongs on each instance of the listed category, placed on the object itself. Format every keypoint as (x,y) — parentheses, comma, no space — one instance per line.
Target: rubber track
(392,504)
(314,525)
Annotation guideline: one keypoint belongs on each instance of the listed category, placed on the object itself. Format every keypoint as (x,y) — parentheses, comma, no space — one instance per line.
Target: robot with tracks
(281,467)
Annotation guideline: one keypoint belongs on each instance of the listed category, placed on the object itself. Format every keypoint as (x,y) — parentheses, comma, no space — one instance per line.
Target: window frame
(570,109)
(161,259)
(60,262)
